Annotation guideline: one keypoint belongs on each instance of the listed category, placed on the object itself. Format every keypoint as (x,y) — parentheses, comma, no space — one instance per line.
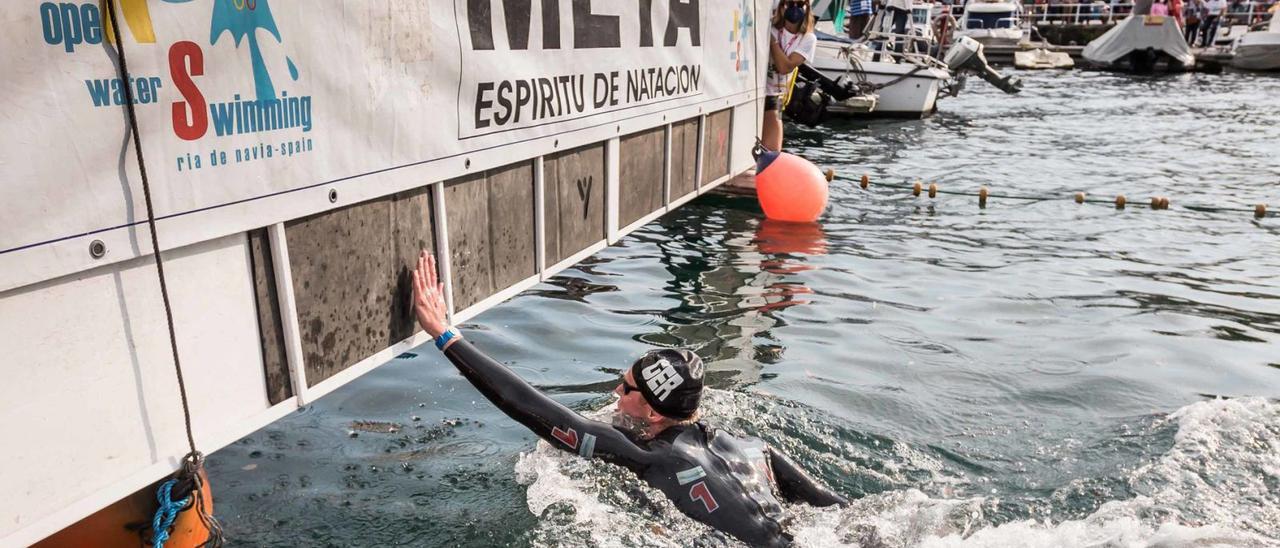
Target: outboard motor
(966,55)
(808,104)
(814,92)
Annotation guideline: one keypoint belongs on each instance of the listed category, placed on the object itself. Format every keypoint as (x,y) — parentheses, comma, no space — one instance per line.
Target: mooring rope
(194,460)
(1120,201)
(166,513)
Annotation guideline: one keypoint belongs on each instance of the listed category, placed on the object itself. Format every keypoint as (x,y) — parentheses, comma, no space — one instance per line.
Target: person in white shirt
(1209,26)
(791,44)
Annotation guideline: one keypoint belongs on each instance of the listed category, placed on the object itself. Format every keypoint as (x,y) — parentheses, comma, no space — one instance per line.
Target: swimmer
(733,483)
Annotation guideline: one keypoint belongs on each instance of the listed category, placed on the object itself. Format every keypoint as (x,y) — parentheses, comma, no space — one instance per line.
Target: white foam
(1215,487)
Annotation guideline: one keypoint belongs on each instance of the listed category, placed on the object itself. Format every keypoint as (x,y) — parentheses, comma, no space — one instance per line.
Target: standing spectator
(1039,9)
(1194,13)
(1175,10)
(1160,8)
(900,12)
(1239,13)
(860,13)
(1213,10)
(1118,8)
(791,44)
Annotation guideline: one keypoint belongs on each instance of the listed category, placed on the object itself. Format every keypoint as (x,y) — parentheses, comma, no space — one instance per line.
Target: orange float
(780,237)
(127,522)
(789,187)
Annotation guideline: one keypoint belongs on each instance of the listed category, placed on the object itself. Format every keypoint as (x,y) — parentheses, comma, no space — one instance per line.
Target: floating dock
(299,156)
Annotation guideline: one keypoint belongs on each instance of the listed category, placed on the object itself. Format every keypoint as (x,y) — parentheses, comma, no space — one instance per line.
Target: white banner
(244,100)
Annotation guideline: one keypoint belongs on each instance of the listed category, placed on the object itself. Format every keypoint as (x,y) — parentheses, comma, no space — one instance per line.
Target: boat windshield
(996,20)
(920,14)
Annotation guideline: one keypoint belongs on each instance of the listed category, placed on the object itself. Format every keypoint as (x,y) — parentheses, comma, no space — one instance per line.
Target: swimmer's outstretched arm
(796,486)
(557,424)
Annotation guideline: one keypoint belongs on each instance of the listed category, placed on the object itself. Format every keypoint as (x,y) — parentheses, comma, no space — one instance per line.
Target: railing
(917,50)
(1084,13)
(1044,13)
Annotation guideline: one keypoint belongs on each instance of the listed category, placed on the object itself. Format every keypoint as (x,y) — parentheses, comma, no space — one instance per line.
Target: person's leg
(858,26)
(899,27)
(771,130)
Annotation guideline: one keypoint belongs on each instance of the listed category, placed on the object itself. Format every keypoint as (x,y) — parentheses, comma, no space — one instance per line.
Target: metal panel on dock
(684,154)
(715,157)
(574,208)
(351,278)
(275,364)
(491,232)
(642,175)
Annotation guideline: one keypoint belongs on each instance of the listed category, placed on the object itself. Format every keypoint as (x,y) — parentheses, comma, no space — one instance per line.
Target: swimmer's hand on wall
(428,297)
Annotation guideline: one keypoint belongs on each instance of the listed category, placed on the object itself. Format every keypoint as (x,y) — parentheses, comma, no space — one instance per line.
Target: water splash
(1214,487)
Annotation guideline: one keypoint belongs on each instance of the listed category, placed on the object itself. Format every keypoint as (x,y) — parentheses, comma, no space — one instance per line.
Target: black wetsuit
(728,482)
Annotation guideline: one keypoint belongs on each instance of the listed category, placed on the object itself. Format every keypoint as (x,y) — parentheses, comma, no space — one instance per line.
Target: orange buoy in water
(866,180)
(789,187)
(1080,197)
(1260,211)
(778,237)
(1120,201)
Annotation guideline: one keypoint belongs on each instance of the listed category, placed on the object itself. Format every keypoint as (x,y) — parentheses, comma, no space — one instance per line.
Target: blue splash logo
(242,19)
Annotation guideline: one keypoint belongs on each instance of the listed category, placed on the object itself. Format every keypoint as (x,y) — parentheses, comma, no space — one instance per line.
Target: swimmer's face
(630,401)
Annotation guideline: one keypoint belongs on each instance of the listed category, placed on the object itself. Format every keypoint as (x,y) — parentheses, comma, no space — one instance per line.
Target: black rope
(151,218)
(194,460)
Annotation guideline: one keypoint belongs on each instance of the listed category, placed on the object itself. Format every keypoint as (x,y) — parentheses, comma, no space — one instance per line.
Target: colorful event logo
(742,25)
(68,25)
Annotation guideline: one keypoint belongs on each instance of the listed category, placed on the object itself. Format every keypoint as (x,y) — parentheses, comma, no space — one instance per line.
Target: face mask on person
(794,14)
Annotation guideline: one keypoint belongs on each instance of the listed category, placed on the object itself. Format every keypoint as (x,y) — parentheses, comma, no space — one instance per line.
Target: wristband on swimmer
(444,338)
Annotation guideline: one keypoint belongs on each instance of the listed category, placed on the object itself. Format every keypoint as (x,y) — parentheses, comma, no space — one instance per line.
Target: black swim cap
(670,380)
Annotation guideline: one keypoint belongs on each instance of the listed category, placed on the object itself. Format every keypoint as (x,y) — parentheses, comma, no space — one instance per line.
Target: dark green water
(1031,374)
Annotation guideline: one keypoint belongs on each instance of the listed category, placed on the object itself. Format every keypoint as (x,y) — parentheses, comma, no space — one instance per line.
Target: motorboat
(1142,44)
(992,22)
(1258,49)
(907,85)
(870,78)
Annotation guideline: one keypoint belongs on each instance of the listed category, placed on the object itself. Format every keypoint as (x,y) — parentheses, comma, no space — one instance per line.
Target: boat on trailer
(1142,44)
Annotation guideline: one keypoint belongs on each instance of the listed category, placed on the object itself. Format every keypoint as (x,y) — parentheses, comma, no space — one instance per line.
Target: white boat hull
(906,94)
(993,37)
(1257,51)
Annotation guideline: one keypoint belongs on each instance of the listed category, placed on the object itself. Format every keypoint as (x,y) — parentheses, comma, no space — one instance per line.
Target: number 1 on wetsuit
(701,493)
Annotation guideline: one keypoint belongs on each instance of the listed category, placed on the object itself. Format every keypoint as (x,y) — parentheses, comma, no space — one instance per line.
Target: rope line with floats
(1120,201)
(186,488)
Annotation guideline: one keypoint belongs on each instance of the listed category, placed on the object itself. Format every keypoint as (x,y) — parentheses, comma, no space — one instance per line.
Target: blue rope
(166,513)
